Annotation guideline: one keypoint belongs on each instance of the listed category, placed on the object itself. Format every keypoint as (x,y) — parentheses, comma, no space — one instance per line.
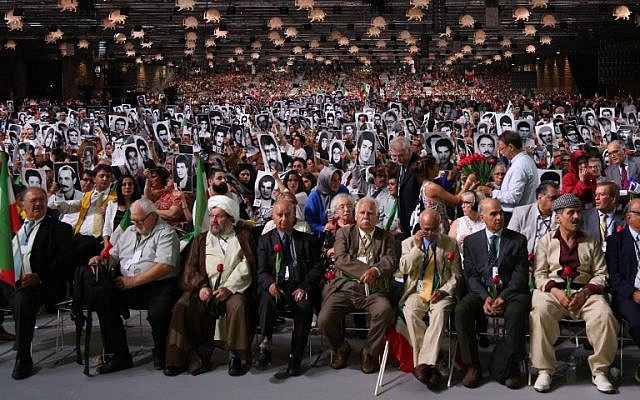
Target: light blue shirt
(636,237)
(498,239)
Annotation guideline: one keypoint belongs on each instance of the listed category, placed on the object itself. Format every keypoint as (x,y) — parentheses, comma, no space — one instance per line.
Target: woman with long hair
(118,210)
(163,196)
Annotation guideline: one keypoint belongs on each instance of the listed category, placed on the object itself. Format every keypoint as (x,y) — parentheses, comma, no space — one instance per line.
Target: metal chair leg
(383,365)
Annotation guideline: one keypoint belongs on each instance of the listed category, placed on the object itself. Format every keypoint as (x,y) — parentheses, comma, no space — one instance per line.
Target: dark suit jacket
(622,264)
(50,251)
(613,171)
(591,222)
(512,264)
(310,267)
(346,254)
(408,189)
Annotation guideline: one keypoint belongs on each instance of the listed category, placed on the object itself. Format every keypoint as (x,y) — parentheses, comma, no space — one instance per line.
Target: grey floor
(59,377)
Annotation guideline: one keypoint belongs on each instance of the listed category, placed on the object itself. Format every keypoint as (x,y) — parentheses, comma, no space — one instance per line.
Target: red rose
(106,250)
(567,271)
(330,275)
(492,161)
(277,248)
(531,256)
(220,267)
(496,279)
(451,256)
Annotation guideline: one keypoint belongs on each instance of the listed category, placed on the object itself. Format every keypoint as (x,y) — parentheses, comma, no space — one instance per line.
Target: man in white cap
(218,288)
(571,275)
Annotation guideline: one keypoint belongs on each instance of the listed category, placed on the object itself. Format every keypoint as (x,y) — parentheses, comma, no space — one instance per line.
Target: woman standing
(118,210)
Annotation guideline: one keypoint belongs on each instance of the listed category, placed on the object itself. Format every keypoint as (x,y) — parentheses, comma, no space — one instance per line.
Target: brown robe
(192,326)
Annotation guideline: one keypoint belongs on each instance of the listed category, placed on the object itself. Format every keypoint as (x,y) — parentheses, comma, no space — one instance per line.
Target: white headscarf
(225,203)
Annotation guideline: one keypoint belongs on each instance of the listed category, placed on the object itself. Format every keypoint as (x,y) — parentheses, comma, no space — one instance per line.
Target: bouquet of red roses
(477,164)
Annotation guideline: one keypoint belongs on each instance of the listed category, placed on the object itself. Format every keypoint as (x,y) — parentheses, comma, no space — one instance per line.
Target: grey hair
(486,201)
(145,205)
(370,200)
(399,143)
(338,197)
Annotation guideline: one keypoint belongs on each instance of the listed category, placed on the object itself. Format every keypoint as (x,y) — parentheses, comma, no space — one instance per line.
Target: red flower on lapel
(619,228)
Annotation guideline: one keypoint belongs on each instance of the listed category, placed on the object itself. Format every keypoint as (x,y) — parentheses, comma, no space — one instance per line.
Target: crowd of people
(322,193)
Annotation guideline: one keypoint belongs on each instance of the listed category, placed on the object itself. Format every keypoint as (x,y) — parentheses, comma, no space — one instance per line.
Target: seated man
(429,289)
(496,275)
(289,274)
(148,255)
(191,332)
(41,245)
(562,255)
(365,261)
(624,278)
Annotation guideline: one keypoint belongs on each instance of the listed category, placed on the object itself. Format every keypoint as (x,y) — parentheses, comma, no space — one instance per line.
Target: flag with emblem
(9,223)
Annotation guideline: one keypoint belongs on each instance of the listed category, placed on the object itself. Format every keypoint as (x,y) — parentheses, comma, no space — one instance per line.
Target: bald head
(429,224)
(632,214)
(491,214)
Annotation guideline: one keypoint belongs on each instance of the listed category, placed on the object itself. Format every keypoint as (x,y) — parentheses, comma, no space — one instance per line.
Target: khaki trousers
(602,328)
(426,340)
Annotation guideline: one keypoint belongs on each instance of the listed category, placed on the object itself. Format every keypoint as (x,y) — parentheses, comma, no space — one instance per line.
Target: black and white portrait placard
(270,153)
(32,177)
(486,144)
(366,144)
(162,133)
(183,172)
(67,177)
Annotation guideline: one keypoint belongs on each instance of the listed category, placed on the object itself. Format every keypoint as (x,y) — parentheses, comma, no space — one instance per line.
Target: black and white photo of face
(348,130)
(331,119)
(571,134)
(483,128)
(271,154)
(182,172)
(390,120)
(132,158)
(215,117)
(590,119)
(410,127)
(445,128)
(506,123)
(238,135)
(218,138)
(88,155)
(336,153)
(323,144)
(366,148)
(162,133)
(143,150)
(66,175)
(524,129)
(605,128)
(585,132)
(485,145)
(606,112)
(545,135)
(446,109)
(34,178)
(265,188)
(632,119)
(73,137)
(443,149)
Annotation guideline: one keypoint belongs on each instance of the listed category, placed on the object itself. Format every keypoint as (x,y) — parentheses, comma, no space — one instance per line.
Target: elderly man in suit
(604,219)
(365,260)
(620,170)
(289,274)
(39,247)
(408,185)
(537,219)
(495,272)
(570,275)
(218,272)
(623,259)
(431,262)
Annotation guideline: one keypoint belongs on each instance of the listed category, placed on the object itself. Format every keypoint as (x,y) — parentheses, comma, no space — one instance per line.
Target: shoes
(6,336)
(543,382)
(434,378)
(637,376)
(341,356)
(172,371)
(235,367)
(263,359)
(294,368)
(199,364)
(514,380)
(369,363)
(23,368)
(602,384)
(420,372)
(472,376)
(116,363)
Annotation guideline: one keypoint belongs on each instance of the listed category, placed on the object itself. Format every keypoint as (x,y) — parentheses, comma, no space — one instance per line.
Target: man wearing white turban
(218,287)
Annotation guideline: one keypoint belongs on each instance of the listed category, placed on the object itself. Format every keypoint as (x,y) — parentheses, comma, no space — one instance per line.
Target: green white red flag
(9,223)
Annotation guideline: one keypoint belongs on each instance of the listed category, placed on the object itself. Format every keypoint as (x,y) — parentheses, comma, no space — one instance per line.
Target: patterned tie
(603,227)
(429,274)
(366,246)
(28,227)
(624,178)
(493,253)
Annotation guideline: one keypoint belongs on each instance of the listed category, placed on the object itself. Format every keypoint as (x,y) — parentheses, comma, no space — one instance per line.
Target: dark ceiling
(581,26)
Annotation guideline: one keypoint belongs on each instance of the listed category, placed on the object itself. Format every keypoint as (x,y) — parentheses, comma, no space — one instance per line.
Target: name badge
(494,271)
(420,286)
(363,259)
(604,246)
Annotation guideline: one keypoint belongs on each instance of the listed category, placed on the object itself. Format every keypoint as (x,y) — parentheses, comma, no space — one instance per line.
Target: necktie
(624,178)
(429,274)
(366,246)
(493,253)
(637,280)
(603,227)
(286,253)
(28,227)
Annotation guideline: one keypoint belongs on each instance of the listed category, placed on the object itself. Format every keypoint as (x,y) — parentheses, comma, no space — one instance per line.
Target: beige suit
(425,340)
(601,325)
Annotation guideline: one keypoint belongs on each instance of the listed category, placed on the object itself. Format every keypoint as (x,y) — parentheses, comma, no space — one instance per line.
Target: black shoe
(235,367)
(6,336)
(116,363)
(23,368)
(263,359)
(294,368)
(172,371)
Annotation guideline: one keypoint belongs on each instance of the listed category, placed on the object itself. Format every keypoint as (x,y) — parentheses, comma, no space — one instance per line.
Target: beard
(221,188)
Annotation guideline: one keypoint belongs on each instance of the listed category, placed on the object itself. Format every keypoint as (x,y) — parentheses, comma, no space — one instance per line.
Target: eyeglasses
(140,221)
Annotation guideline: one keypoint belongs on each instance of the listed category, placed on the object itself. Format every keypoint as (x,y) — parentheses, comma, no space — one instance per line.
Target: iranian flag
(200,205)
(9,223)
(400,345)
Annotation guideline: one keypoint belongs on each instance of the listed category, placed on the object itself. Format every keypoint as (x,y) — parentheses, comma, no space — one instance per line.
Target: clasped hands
(298,294)
(575,302)
(493,307)
(220,294)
